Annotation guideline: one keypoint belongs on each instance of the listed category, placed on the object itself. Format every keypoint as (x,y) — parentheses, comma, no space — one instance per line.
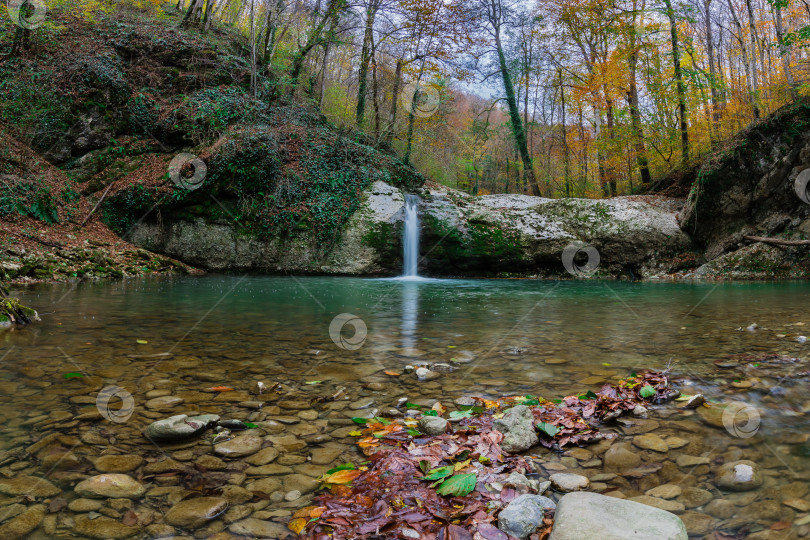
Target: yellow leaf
(460,465)
(297,525)
(355,433)
(342,477)
(141,341)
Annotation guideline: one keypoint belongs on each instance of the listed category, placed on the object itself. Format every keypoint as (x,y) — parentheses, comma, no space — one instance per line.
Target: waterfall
(410,237)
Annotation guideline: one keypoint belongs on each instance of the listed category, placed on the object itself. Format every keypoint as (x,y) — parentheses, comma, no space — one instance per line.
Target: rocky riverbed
(75,466)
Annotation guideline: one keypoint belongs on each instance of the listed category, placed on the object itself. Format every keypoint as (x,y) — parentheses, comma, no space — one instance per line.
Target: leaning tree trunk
(514,115)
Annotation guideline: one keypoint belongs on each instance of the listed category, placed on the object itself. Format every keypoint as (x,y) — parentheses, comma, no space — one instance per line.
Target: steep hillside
(105,108)
(748,187)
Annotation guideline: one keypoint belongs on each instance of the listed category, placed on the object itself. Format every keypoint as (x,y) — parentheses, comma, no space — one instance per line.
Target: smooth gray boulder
(523,515)
(582,515)
(432,425)
(179,427)
(517,426)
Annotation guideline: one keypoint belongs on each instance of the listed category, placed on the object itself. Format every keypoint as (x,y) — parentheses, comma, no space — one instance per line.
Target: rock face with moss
(525,235)
(747,187)
(13,313)
(460,235)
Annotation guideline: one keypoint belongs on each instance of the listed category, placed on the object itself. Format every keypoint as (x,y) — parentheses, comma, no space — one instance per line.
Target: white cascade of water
(410,237)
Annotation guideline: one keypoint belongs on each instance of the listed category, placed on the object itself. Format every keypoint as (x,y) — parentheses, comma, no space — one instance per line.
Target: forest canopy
(557,98)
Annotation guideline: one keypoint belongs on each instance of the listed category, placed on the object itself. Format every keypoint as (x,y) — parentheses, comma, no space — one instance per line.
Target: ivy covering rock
(455,484)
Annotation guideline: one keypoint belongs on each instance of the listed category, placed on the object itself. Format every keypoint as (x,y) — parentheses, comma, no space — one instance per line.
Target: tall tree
(679,83)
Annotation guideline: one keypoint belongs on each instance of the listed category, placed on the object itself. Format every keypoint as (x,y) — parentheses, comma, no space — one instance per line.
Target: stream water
(310,338)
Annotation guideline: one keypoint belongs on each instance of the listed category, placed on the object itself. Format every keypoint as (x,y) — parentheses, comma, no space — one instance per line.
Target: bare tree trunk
(754,75)
(564,136)
(635,119)
(784,53)
(365,59)
(710,52)
(680,87)
(745,60)
(392,116)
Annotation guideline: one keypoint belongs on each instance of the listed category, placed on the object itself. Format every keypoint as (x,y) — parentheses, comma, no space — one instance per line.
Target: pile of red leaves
(395,495)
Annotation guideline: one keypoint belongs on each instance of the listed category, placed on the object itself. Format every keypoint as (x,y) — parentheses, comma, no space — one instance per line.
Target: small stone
(241,445)
(721,508)
(524,514)
(676,442)
(308,415)
(84,505)
(798,504)
(116,486)
(293,495)
(212,463)
(517,426)
(23,524)
(362,403)
(619,458)
(103,528)
(697,523)
(163,402)
(651,441)
(260,529)
(640,411)
(691,461)
(569,482)
(195,513)
(263,456)
(692,497)
(325,455)
(665,491)
(741,475)
(433,425)
(118,463)
(424,374)
(179,427)
(28,485)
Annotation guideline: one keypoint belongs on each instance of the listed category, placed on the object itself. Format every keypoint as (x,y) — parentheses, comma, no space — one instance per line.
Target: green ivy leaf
(73,375)
(430,413)
(344,467)
(646,391)
(549,429)
(458,485)
(360,420)
(457,415)
(439,473)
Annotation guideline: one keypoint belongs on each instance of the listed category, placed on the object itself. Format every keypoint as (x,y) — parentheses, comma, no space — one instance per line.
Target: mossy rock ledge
(13,313)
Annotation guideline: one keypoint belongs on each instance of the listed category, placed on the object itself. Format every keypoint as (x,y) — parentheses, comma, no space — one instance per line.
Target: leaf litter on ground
(453,485)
